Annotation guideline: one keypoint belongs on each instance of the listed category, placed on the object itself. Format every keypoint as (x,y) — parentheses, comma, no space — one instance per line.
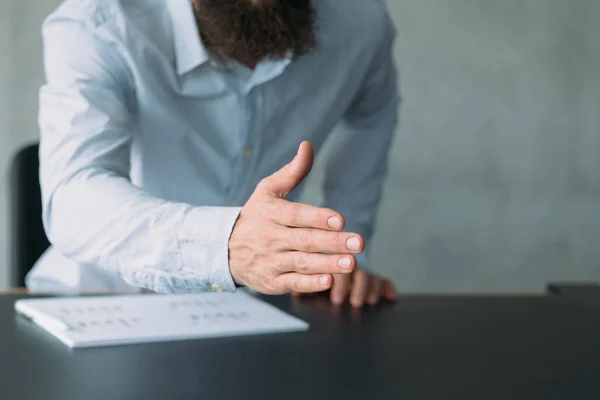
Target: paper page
(113,320)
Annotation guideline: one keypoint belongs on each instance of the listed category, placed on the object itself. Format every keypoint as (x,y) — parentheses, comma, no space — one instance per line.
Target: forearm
(355,174)
(99,218)
(358,163)
(92,213)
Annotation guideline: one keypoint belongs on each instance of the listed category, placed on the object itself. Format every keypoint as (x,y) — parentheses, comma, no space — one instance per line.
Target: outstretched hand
(279,247)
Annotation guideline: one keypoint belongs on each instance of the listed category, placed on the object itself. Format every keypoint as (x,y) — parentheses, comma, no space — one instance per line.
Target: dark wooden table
(424,347)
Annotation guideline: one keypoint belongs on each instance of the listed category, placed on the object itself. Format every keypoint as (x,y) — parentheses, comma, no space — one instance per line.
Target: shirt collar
(189,50)
(267,70)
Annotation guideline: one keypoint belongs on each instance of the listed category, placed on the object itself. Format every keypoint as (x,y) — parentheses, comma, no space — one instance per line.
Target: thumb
(282,182)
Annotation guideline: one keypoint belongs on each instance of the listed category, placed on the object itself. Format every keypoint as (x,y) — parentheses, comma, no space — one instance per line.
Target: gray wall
(495,174)
(5,146)
(21,75)
(495,178)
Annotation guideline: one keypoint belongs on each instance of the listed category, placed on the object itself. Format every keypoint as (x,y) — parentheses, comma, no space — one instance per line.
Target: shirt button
(216,288)
(248,153)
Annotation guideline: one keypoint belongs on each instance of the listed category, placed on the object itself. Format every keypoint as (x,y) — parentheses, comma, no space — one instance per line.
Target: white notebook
(116,320)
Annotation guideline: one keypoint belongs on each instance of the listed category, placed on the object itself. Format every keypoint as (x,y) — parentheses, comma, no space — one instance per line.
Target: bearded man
(176,136)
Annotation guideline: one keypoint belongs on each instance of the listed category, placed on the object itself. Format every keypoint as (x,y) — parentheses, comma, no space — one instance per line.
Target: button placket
(252,140)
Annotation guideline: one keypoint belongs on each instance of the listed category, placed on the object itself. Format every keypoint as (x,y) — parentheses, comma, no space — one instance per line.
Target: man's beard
(249,32)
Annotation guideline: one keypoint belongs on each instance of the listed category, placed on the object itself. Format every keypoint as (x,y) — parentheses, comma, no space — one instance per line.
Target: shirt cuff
(205,253)
(202,253)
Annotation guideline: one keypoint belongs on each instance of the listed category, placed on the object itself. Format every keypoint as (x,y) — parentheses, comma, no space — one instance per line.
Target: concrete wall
(21,75)
(5,145)
(495,174)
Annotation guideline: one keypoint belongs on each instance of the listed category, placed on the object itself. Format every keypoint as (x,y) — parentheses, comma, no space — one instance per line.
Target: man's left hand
(360,288)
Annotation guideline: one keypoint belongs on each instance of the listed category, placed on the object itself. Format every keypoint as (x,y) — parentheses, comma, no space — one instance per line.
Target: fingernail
(345,263)
(335,223)
(353,244)
(324,280)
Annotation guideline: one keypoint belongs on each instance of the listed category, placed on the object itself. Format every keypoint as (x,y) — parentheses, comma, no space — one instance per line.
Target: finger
(360,289)
(340,289)
(299,215)
(389,291)
(319,241)
(299,283)
(375,291)
(282,182)
(316,263)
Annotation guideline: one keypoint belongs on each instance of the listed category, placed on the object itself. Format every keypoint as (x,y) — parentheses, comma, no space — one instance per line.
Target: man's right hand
(278,247)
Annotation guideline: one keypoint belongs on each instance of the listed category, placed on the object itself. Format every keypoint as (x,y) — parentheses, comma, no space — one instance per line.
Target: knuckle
(277,211)
(267,240)
(293,213)
(292,286)
(264,211)
(272,243)
(336,241)
(271,289)
(286,286)
(276,285)
(287,169)
(279,285)
(263,239)
(303,238)
(275,264)
(297,285)
(270,208)
(301,262)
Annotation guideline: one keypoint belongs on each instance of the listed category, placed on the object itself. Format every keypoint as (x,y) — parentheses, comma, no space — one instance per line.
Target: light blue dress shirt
(150,145)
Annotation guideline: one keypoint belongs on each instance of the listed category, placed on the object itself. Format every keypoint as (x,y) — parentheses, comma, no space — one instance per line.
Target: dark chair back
(27,235)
